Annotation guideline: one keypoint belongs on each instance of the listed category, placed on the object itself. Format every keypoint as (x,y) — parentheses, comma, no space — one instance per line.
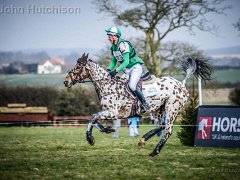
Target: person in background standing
(133,124)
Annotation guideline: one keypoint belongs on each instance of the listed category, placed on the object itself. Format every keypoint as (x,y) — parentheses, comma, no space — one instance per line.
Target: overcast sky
(24,24)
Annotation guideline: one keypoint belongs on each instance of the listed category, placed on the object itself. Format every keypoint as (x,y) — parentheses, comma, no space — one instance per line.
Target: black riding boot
(140,96)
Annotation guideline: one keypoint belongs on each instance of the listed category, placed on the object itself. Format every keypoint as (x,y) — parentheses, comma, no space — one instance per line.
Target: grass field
(56,80)
(63,153)
(53,80)
(224,76)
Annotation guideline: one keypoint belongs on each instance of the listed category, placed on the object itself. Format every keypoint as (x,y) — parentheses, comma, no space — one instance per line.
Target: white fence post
(200,91)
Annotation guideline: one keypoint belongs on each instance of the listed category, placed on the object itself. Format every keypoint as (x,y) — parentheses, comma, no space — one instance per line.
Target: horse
(163,94)
(202,125)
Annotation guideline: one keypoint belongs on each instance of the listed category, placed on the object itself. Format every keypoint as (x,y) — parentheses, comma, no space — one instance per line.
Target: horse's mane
(90,60)
(117,79)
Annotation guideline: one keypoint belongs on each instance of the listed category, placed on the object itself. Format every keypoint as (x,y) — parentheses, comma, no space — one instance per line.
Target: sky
(32,24)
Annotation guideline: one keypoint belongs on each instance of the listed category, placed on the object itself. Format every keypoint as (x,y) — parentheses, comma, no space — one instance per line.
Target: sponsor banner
(218,126)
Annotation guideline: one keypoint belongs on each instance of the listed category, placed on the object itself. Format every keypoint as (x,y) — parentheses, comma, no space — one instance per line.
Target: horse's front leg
(94,121)
(89,135)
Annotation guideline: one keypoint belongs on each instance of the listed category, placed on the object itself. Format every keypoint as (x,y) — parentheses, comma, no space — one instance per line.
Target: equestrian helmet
(114,31)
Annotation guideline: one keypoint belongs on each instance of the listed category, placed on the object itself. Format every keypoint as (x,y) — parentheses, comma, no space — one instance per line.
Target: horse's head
(78,73)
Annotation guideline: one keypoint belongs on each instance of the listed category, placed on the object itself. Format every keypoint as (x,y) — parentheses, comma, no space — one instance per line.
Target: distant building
(50,66)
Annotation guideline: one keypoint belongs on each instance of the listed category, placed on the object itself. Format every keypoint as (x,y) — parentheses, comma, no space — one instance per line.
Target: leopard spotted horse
(164,95)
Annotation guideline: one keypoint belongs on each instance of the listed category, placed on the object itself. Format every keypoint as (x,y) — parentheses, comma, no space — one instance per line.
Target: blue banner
(218,126)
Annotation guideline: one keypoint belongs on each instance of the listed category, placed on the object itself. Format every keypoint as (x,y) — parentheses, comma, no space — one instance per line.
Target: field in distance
(56,80)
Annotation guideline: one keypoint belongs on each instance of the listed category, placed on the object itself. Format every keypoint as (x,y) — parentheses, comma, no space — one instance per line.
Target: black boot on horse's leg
(140,96)
(107,129)
(157,148)
(89,135)
(150,134)
(160,144)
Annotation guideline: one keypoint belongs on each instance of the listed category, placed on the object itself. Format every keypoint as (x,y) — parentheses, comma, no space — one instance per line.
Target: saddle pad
(150,89)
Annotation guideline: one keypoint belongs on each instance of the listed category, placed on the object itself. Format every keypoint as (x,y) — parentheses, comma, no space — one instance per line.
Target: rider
(124,53)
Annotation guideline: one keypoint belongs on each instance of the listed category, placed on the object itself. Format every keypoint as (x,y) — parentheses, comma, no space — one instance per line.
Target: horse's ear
(83,55)
(87,56)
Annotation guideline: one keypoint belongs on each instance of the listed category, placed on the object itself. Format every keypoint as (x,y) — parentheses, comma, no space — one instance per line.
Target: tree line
(159,18)
(64,102)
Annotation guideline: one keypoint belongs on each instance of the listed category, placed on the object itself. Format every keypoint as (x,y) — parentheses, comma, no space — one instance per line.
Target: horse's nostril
(65,83)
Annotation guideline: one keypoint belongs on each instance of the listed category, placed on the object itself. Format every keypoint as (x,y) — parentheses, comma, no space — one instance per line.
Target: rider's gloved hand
(113,73)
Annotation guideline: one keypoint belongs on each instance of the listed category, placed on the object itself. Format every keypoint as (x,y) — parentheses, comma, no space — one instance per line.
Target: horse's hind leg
(160,144)
(150,134)
(171,114)
(154,131)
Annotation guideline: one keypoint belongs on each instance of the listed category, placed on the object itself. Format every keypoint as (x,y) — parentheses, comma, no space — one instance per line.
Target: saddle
(146,76)
(145,79)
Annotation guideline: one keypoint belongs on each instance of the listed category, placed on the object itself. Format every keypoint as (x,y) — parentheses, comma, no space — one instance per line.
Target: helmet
(114,31)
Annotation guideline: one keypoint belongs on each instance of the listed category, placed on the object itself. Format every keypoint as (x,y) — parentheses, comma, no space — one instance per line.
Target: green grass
(63,153)
(224,76)
(56,80)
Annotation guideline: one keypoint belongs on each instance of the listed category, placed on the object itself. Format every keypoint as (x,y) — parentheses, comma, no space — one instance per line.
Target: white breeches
(135,74)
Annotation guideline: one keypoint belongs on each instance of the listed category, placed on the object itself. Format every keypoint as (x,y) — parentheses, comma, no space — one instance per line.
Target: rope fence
(78,121)
(77,124)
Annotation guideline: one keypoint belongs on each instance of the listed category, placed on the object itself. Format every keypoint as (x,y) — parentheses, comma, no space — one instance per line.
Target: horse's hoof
(109,129)
(141,143)
(90,138)
(154,153)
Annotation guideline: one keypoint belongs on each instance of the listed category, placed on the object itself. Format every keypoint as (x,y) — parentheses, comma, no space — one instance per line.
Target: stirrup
(144,108)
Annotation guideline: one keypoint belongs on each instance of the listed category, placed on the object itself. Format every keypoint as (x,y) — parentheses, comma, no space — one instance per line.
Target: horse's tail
(197,67)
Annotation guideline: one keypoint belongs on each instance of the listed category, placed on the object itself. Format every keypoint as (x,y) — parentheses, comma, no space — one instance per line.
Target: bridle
(81,79)
(72,75)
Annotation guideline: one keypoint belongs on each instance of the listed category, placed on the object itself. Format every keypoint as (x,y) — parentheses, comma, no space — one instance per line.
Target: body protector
(123,53)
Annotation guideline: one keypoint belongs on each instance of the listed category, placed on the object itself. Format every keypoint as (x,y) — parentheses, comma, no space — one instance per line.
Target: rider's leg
(135,76)
(140,96)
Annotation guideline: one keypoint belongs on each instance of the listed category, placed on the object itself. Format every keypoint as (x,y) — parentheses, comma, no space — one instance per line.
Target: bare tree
(157,18)
(173,52)
(237,25)
(170,55)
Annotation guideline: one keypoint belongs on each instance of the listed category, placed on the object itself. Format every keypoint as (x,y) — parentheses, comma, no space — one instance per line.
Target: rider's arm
(113,63)
(125,62)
